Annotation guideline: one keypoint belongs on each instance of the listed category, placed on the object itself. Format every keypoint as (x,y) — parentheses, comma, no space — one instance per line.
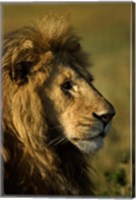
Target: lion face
(76,108)
(54,65)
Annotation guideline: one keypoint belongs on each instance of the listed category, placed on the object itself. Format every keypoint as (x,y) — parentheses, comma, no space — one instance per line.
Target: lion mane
(31,165)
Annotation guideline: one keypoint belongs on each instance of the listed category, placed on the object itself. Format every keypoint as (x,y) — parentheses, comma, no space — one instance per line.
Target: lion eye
(67,85)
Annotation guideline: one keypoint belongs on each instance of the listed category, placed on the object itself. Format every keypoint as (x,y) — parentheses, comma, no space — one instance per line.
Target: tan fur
(42,123)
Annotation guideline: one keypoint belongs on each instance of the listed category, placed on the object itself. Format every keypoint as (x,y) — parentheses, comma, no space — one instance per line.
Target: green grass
(105,32)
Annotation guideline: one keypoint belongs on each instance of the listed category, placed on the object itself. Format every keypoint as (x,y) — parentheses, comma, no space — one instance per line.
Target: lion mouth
(89,144)
(93,142)
(102,134)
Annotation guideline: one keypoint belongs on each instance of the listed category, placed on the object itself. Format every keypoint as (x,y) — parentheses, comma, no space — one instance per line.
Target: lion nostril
(106,117)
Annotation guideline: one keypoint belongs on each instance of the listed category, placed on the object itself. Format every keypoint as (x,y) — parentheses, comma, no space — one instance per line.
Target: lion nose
(105,117)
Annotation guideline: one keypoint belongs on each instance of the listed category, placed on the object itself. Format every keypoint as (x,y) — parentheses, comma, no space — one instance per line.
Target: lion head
(48,95)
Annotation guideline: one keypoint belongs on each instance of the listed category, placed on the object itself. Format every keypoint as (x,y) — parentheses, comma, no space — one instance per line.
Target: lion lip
(102,134)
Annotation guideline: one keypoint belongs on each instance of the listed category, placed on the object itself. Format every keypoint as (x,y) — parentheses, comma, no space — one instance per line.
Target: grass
(105,32)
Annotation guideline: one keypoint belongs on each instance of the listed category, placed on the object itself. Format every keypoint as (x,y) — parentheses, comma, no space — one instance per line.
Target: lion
(54,118)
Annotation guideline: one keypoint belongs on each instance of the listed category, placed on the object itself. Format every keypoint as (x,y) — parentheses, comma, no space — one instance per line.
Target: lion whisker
(62,140)
(57,140)
(56,127)
(54,140)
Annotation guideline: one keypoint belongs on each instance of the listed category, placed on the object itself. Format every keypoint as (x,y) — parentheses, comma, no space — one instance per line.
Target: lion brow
(84,73)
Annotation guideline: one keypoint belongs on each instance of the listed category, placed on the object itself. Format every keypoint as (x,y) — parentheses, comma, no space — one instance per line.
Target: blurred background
(105,32)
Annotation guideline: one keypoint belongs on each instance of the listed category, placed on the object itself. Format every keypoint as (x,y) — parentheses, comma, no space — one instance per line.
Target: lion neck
(73,166)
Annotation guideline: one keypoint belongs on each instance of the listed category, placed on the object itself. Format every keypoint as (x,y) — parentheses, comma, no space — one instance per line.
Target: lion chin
(90,146)
(53,116)
(93,143)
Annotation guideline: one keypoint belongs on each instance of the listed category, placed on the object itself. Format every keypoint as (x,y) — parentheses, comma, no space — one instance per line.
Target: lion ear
(22,64)
(19,72)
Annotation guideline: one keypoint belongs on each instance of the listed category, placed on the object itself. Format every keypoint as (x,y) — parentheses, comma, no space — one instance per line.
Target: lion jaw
(93,141)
